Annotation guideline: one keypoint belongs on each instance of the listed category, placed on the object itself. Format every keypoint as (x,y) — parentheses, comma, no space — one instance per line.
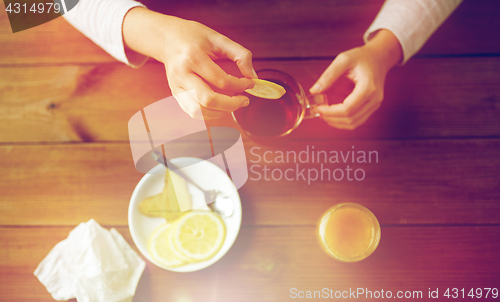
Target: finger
(210,99)
(215,75)
(361,94)
(337,68)
(368,107)
(354,125)
(238,54)
(189,104)
(355,121)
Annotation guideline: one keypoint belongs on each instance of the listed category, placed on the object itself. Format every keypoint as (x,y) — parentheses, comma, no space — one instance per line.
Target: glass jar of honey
(348,232)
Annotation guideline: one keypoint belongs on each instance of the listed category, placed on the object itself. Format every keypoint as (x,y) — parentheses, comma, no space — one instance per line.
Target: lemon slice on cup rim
(266,90)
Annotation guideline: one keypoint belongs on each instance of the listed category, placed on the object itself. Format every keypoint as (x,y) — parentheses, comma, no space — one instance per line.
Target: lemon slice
(266,90)
(160,249)
(199,235)
(171,244)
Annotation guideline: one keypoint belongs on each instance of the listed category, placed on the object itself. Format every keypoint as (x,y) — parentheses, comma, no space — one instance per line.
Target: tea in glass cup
(277,117)
(348,232)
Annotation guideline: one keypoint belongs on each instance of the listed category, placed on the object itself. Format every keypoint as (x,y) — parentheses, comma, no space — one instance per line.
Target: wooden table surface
(65,156)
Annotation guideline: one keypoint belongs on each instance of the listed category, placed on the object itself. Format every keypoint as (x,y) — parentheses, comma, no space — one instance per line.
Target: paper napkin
(91,265)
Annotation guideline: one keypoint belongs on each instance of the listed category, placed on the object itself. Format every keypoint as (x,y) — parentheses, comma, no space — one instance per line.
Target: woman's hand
(188,50)
(366,66)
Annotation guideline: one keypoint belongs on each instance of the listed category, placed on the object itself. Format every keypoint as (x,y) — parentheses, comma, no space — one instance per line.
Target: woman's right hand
(188,50)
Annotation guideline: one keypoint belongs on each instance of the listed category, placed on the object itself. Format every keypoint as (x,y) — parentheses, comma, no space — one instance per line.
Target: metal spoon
(217,201)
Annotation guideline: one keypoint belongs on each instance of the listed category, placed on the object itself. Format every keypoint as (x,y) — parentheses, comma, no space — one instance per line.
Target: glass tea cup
(348,232)
(275,118)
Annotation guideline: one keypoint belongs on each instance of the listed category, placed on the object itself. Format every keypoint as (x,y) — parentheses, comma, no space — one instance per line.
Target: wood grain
(426,98)
(65,157)
(52,42)
(75,103)
(408,258)
(414,182)
(301,29)
(275,29)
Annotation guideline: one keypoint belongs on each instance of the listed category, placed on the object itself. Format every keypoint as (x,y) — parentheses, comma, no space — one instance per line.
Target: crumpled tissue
(91,265)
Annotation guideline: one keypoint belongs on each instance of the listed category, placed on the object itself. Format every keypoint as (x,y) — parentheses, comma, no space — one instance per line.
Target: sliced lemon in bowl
(171,244)
(199,235)
(266,90)
(161,250)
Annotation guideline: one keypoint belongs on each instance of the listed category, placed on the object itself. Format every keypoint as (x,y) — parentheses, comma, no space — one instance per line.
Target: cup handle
(313,101)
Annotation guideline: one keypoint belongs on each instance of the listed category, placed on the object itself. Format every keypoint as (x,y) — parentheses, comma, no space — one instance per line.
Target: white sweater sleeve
(411,21)
(102,22)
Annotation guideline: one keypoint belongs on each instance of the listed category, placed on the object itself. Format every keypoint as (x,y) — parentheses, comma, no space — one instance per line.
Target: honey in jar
(348,232)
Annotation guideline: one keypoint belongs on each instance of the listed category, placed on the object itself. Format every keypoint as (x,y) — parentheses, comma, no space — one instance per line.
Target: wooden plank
(414,182)
(326,28)
(462,34)
(86,181)
(269,29)
(425,98)
(53,42)
(76,103)
(275,260)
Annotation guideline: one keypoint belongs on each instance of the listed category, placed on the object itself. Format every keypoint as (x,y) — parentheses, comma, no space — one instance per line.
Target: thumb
(337,68)
(322,109)
(240,55)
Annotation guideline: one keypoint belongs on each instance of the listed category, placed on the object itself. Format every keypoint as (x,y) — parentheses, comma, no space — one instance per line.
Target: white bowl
(209,177)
